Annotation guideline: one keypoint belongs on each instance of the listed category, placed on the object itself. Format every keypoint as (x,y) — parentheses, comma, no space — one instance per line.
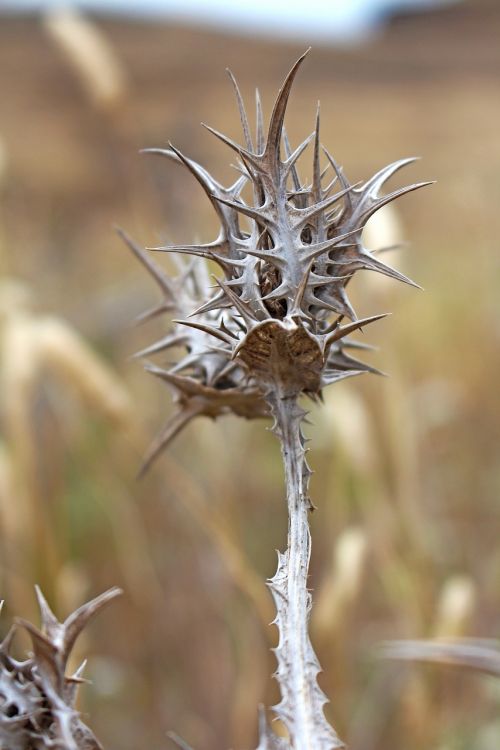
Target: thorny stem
(302,700)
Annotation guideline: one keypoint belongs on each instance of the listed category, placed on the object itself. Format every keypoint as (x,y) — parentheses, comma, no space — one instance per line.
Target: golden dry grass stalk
(90,54)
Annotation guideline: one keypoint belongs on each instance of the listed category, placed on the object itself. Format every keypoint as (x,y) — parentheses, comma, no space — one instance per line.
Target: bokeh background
(405,537)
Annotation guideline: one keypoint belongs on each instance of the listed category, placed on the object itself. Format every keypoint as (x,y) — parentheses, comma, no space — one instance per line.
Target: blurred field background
(405,538)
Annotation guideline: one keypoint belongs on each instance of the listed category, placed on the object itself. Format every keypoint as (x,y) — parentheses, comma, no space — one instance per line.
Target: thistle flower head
(286,256)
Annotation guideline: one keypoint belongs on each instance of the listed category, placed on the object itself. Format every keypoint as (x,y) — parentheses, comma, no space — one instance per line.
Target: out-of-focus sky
(313,19)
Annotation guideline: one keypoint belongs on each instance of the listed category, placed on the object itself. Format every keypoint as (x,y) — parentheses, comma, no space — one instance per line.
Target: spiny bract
(37,698)
(287,256)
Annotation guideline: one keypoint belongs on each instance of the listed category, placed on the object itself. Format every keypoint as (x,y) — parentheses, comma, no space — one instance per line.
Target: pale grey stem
(302,700)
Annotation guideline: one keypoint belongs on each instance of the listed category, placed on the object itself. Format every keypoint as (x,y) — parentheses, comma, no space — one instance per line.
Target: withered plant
(269,331)
(37,696)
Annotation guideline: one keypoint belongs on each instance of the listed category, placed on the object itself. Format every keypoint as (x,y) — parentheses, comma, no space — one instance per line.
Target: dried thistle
(37,698)
(271,333)
(91,56)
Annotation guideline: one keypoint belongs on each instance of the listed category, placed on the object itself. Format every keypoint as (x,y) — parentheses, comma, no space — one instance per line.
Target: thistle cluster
(37,698)
(287,250)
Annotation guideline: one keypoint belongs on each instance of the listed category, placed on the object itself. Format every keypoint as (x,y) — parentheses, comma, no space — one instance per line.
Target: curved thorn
(243,153)
(167,342)
(293,170)
(301,290)
(205,329)
(341,375)
(374,184)
(50,622)
(316,183)
(293,158)
(252,213)
(389,248)
(369,211)
(306,214)
(172,428)
(272,149)
(242,307)
(243,115)
(342,331)
(374,264)
(323,247)
(194,250)
(77,620)
(260,144)
(160,309)
(217,303)
(339,174)
(156,272)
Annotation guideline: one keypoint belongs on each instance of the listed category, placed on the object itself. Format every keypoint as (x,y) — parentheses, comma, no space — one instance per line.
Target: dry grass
(408,465)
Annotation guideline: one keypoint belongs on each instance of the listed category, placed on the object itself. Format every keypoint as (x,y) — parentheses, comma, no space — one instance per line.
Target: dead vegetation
(416,470)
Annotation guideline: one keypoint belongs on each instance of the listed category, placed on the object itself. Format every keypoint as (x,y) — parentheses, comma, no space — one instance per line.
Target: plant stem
(302,700)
